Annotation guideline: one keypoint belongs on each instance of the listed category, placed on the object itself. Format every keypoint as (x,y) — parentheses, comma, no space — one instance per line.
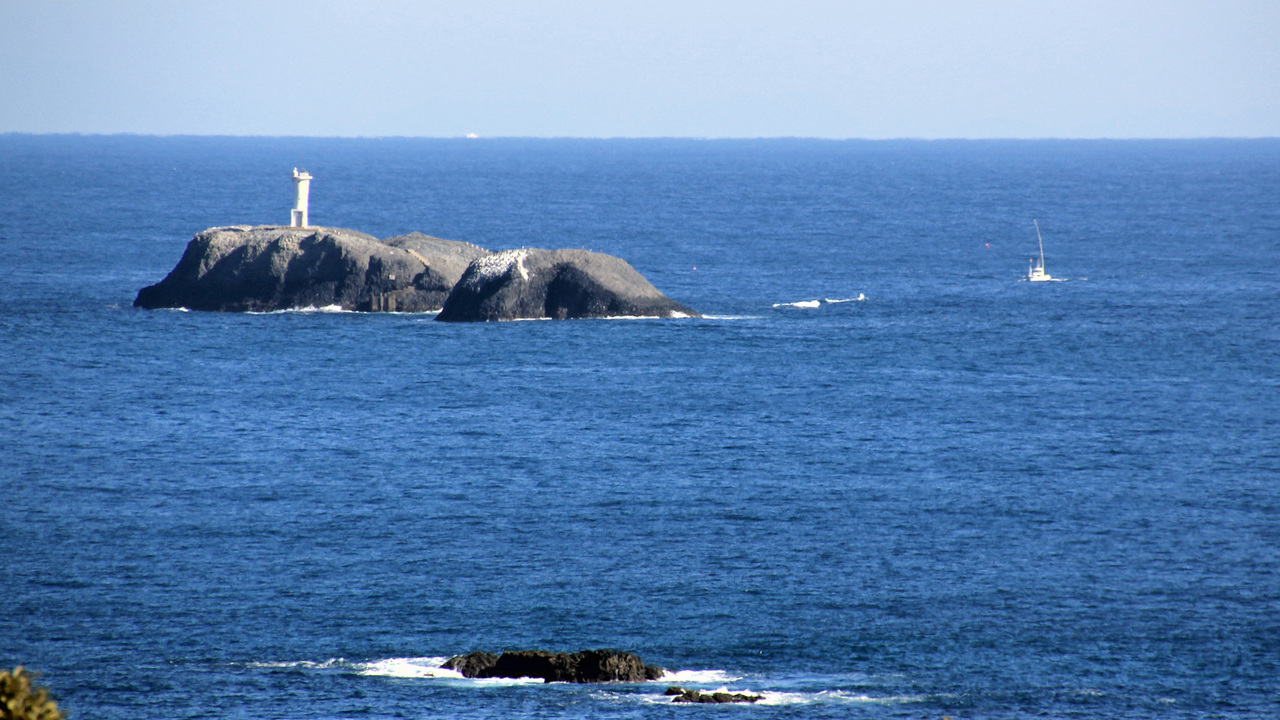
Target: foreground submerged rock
(587,666)
(535,283)
(696,696)
(259,269)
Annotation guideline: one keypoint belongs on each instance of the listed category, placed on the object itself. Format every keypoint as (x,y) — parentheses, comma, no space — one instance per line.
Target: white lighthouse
(301,188)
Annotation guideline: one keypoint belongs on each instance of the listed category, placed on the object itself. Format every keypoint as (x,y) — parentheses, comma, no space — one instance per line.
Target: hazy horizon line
(709,138)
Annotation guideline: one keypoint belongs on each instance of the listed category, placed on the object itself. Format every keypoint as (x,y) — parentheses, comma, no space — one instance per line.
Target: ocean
(883,477)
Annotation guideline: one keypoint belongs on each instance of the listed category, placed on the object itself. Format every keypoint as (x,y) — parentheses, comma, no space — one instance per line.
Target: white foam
(800,304)
(699,677)
(833,301)
(824,697)
(310,309)
(422,668)
(835,696)
(502,682)
(408,667)
(302,664)
(672,316)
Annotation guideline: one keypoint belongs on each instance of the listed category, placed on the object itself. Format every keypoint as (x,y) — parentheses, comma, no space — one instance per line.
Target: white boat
(1036,273)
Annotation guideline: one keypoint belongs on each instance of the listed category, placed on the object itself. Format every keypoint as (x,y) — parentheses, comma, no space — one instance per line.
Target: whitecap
(800,304)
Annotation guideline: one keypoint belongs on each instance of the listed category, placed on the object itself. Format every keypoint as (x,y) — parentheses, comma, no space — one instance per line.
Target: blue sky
(979,69)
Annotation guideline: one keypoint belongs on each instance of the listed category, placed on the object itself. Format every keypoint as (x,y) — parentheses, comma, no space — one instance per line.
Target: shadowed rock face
(535,283)
(264,268)
(588,666)
(445,258)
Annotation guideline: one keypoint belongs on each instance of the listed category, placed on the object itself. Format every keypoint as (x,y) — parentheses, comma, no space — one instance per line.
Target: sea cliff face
(264,268)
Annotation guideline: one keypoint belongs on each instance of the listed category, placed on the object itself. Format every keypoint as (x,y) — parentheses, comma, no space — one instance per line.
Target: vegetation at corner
(20,700)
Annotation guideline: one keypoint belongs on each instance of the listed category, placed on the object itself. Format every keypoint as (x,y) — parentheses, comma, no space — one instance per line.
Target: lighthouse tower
(301,188)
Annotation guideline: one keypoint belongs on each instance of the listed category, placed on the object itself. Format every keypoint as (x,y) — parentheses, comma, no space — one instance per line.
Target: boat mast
(1040,240)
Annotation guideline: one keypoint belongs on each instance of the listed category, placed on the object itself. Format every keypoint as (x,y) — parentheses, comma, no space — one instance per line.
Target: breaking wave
(698,677)
(771,692)
(408,667)
(310,309)
(819,303)
(816,697)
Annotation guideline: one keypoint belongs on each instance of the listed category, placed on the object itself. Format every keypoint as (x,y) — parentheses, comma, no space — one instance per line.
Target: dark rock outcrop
(244,268)
(472,665)
(588,666)
(534,283)
(696,696)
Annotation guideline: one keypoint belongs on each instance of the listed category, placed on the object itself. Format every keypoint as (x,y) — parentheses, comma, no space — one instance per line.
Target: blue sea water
(956,494)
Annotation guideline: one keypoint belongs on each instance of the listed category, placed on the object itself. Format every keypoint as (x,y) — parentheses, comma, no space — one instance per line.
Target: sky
(616,68)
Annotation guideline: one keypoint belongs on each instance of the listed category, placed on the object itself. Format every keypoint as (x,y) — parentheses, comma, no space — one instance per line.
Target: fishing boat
(1036,273)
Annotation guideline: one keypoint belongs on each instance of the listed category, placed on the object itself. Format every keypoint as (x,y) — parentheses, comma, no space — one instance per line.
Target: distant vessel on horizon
(1036,273)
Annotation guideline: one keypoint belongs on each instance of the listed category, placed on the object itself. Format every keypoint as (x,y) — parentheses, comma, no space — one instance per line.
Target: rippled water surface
(953,493)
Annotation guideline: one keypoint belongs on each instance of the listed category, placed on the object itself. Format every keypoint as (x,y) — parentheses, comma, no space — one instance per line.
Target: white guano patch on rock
(495,267)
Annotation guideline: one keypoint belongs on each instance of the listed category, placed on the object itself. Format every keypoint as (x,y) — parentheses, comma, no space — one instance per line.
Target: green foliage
(20,701)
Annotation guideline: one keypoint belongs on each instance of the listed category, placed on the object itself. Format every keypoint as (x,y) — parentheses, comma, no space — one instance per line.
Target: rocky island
(245,268)
(587,666)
